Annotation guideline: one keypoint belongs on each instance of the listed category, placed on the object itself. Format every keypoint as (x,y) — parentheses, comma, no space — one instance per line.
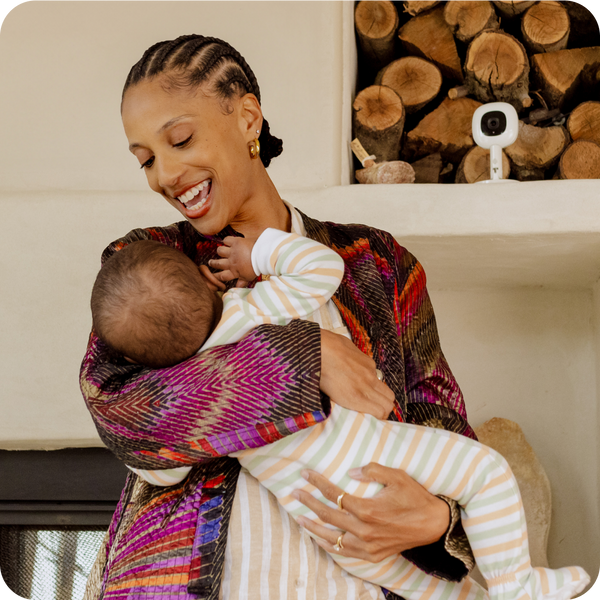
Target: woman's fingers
(402,515)
(349,377)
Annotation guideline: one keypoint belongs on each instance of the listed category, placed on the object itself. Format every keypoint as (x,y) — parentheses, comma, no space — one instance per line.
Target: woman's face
(193,152)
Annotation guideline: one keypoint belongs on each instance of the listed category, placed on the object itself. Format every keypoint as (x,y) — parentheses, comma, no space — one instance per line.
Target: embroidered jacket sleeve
(433,399)
(224,399)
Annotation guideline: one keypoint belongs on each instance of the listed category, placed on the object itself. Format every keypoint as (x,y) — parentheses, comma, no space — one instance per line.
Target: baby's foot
(558,584)
(539,584)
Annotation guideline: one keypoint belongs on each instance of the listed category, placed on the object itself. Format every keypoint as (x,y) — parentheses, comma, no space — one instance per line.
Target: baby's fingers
(224,251)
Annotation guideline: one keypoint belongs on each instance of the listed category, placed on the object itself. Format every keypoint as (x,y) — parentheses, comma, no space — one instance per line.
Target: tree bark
(428,35)
(545,27)
(559,74)
(378,119)
(536,150)
(475,166)
(512,8)
(581,160)
(584,122)
(416,80)
(416,7)
(497,69)
(428,169)
(376,23)
(467,18)
(446,130)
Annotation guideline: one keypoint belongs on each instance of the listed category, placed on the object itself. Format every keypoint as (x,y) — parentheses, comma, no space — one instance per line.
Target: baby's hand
(236,262)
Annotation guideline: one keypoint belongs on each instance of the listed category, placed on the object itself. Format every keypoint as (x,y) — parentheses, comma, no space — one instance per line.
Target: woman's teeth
(191,196)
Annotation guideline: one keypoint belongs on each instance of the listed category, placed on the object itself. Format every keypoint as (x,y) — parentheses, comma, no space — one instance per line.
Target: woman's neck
(264,209)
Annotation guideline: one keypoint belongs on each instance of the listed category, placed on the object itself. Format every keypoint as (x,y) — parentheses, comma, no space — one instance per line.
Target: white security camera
(495,126)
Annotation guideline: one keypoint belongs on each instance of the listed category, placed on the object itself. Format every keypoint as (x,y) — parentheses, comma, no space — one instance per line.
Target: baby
(153,305)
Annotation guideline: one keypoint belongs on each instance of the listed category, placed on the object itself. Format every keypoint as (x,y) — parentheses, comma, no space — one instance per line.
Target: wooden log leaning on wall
(467,18)
(376,23)
(378,121)
(475,166)
(581,160)
(416,80)
(546,27)
(559,74)
(429,36)
(536,150)
(584,122)
(446,130)
(497,69)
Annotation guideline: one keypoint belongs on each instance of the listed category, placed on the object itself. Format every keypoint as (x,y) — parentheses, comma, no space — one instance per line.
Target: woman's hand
(349,377)
(403,515)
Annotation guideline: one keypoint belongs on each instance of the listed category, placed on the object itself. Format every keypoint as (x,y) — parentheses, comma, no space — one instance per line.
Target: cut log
(416,80)
(428,169)
(559,74)
(584,26)
(395,171)
(512,8)
(467,18)
(497,69)
(545,27)
(581,160)
(458,92)
(475,166)
(446,130)
(378,119)
(376,23)
(429,36)
(536,150)
(416,7)
(584,122)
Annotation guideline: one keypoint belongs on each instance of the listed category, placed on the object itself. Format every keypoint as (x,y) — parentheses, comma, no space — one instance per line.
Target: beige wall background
(513,275)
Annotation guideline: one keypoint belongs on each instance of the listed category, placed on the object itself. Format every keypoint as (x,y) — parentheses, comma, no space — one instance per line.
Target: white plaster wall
(63,65)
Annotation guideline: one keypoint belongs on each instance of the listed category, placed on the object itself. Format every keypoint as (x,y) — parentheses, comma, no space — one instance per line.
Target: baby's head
(151,304)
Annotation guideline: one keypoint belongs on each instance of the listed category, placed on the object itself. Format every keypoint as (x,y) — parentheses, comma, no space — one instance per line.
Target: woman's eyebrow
(172,122)
(165,126)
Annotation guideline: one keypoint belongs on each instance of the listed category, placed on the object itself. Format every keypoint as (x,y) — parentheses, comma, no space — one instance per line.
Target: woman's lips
(196,200)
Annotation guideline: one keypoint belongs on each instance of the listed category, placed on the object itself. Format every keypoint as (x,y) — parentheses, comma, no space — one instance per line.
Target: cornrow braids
(192,60)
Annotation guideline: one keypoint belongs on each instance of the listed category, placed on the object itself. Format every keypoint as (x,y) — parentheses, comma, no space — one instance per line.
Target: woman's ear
(211,281)
(251,116)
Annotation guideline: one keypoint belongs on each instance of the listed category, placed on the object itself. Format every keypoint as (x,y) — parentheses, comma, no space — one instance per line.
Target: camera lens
(493,123)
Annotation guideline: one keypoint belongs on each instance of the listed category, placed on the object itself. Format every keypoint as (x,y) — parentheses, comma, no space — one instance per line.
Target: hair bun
(270,146)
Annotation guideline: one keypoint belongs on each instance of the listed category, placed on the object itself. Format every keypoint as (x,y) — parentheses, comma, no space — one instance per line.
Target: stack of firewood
(424,67)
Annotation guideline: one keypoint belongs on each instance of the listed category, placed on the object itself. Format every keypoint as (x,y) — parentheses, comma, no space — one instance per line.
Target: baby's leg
(481,481)
(405,579)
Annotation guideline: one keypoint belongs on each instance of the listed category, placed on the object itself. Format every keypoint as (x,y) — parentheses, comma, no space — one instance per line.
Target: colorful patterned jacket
(170,542)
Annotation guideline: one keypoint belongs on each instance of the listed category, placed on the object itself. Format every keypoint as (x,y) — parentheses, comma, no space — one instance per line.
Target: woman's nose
(169,172)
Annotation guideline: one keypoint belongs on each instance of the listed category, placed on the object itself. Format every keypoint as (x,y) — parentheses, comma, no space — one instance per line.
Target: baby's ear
(211,281)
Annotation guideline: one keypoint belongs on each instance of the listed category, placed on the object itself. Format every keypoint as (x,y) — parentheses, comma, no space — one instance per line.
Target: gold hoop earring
(254,149)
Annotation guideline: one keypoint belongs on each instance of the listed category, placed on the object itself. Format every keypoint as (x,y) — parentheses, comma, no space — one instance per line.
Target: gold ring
(339,500)
(379,374)
(338,546)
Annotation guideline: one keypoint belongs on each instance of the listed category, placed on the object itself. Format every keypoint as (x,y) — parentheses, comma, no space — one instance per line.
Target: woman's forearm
(225,399)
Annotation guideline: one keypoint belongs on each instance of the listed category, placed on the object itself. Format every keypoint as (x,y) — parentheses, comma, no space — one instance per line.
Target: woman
(191,112)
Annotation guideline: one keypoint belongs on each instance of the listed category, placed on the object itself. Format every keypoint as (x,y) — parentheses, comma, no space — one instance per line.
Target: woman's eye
(148,163)
(184,143)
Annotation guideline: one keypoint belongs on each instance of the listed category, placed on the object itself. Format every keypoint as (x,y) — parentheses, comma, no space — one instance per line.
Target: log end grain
(395,171)
(475,166)
(546,27)
(584,122)
(467,18)
(581,160)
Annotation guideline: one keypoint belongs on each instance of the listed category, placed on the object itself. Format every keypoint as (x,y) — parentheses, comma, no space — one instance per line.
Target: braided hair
(191,60)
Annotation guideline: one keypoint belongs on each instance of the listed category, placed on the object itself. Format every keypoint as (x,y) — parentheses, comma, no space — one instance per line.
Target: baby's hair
(151,304)
(191,60)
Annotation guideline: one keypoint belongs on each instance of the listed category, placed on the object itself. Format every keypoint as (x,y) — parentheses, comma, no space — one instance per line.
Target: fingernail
(304,474)
(295,494)
(301,521)
(355,473)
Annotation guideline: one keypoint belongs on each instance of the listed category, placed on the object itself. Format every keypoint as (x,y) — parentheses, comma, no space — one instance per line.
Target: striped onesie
(299,278)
